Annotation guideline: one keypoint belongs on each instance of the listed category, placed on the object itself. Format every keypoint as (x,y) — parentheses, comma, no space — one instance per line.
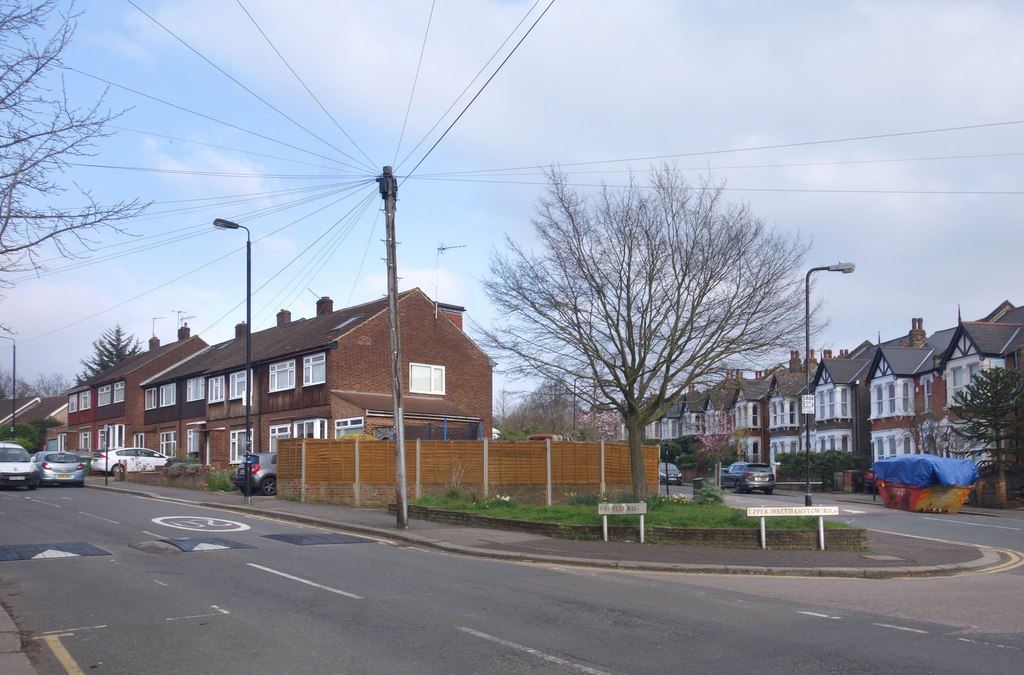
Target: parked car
(749,476)
(16,468)
(119,460)
(262,474)
(669,474)
(59,468)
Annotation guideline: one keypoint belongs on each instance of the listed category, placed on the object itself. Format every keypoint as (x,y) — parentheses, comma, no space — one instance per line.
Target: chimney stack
(812,363)
(795,365)
(184,332)
(324,306)
(284,317)
(240,330)
(916,337)
(154,343)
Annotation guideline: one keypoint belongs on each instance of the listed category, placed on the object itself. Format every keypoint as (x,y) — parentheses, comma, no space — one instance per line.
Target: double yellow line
(1014,560)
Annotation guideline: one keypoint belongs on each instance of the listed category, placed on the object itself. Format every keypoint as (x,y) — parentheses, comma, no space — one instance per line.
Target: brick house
(326,377)
(841,405)
(109,406)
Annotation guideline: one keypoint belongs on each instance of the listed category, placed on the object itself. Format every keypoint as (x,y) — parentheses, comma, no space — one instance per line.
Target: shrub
(185,469)
(220,480)
(709,494)
(506,501)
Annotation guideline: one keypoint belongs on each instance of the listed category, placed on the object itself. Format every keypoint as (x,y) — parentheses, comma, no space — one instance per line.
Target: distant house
(327,376)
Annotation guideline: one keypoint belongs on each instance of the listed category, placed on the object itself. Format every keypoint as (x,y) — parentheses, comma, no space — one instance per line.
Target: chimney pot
(154,343)
(284,317)
(184,332)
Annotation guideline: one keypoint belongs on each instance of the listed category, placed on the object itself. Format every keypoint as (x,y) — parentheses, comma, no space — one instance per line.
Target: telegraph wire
(236,81)
(308,91)
(415,80)
(481,90)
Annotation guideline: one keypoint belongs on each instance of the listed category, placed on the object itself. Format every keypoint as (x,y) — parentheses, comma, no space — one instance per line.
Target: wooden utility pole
(388,192)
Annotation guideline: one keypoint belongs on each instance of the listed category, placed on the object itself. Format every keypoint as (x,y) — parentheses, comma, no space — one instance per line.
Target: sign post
(605,510)
(821,511)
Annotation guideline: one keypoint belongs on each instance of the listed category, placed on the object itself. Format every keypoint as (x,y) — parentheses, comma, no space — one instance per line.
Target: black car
(669,474)
(749,476)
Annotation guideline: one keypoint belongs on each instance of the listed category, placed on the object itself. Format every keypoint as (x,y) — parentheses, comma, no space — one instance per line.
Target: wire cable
(415,80)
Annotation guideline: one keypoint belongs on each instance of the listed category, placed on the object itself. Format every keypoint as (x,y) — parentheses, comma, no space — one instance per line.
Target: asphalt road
(176,588)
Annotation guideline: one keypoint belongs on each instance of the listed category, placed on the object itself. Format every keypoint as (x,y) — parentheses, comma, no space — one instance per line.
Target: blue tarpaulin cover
(926,470)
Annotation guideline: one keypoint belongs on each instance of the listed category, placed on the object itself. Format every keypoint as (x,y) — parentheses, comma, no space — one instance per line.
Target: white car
(16,467)
(120,460)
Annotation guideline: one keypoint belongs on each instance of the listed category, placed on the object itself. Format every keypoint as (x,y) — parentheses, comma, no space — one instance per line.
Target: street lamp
(808,402)
(228,225)
(14,380)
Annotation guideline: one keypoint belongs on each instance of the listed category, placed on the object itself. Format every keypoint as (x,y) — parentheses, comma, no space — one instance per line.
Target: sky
(889,134)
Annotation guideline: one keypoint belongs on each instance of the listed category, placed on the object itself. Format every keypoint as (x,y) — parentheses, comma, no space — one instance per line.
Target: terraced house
(324,377)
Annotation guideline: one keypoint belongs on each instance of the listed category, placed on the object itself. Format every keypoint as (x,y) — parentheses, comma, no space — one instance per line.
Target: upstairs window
(237,385)
(878,400)
(314,369)
(150,398)
(168,395)
(86,401)
(119,392)
(103,395)
(426,379)
(215,392)
(73,403)
(282,376)
(906,399)
(958,380)
(891,398)
(844,402)
(195,389)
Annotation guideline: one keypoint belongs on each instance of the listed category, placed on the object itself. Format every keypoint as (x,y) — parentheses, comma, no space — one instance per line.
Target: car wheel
(268,486)
(768,491)
(82,484)
(32,486)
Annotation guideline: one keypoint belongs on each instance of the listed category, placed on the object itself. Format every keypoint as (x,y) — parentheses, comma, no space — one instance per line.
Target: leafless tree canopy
(41,133)
(643,291)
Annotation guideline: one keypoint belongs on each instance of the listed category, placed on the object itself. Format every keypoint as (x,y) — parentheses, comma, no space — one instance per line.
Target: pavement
(887,555)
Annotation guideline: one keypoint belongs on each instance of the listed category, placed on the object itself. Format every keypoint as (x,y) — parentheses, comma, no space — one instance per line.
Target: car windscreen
(61,458)
(13,455)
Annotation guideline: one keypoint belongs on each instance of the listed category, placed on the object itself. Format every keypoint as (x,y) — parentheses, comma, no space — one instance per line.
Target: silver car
(59,468)
(262,474)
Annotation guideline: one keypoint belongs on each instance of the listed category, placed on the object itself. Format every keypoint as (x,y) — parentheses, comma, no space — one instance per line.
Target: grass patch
(661,512)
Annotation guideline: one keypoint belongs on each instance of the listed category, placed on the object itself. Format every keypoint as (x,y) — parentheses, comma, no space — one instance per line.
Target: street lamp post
(228,225)
(14,380)
(845,268)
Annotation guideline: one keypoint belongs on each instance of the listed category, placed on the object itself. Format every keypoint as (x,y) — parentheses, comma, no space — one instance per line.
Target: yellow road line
(54,643)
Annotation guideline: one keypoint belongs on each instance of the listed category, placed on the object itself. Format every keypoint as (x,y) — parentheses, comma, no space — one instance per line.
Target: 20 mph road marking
(534,652)
(306,581)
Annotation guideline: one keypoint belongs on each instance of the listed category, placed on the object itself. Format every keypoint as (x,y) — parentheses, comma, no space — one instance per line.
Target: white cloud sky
(597,80)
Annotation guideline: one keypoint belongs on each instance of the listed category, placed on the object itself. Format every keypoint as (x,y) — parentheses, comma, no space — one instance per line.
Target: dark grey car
(749,476)
(263,474)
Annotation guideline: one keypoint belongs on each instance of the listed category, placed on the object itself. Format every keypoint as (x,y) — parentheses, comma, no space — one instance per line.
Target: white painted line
(40,501)
(71,630)
(162,583)
(200,616)
(99,518)
(962,522)
(820,616)
(909,630)
(151,534)
(534,652)
(306,581)
(855,512)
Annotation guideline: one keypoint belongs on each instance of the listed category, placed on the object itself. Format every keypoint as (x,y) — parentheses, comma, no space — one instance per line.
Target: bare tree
(641,292)
(41,133)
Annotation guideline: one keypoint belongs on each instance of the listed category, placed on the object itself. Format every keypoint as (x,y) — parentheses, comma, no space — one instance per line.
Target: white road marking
(201,524)
(53,553)
(962,522)
(162,583)
(820,616)
(114,522)
(70,630)
(40,501)
(210,547)
(306,581)
(200,616)
(909,630)
(534,652)
(855,512)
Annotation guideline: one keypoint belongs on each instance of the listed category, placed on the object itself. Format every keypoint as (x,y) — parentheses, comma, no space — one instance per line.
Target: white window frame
(317,424)
(119,392)
(236,446)
(139,439)
(86,400)
(348,426)
(168,394)
(282,376)
(239,383)
(85,441)
(151,398)
(169,443)
(73,403)
(194,442)
(844,402)
(433,373)
(103,395)
(314,369)
(277,432)
(195,389)
(215,390)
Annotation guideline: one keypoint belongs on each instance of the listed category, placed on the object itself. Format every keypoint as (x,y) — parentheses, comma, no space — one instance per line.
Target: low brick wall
(846,539)
(197,482)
